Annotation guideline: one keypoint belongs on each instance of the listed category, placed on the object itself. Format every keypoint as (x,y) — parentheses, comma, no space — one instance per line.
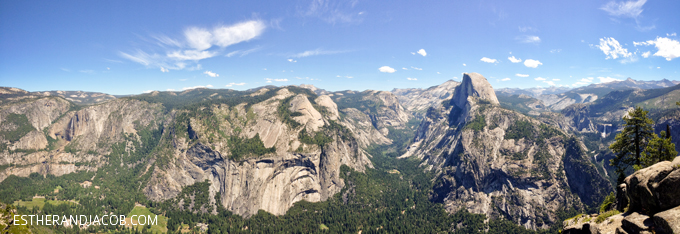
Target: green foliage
(521,129)
(360,101)
(241,148)
(476,124)
(607,203)
(320,138)
(632,141)
(659,149)
(19,126)
(603,216)
(286,115)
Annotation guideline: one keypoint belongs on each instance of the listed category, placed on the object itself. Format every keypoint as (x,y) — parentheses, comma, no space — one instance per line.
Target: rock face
(655,188)
(579,114)
(198,144)
(370,114)
(476,86)
(501,163)
(417,101)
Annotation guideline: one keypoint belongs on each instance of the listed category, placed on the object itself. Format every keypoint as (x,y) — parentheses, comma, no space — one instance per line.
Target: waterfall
(604,133)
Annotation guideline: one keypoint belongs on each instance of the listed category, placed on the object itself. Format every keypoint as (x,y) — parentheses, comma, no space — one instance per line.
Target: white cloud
(197,42)
(164,70)
(528,39)
(438,73)
(671,34)
(646,54)
(409,78)
(228,35)
(404,68)
(416,68)
(631,9)
(555,50)
(198,38)
(232,84)
(211,74)
(551,83)
(505,79)
(521,75)
(539,78)
(514,60)
(612,48)
(170,90)
(607,79)
(148,91)
(315,52)
(197,87)
(422,52)
(556,79)
(667,48)
(386,69)
(532,63)
(464,65)
(292,60)
(488,60)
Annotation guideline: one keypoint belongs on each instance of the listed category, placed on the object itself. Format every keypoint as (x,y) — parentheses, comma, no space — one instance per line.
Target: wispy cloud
(409,78)
(667,48)
(555,50)
(607,79)
(242,53)
(422,52)
(528,39)
(386,69)
(333,11)
(514,60)
(316,52)
(521,75)
(487,60)
(87,71)
(627,9)
(505,79)
(164,70)
(532,63)
(197,44)
(526,29)
(417,68)
(539,78)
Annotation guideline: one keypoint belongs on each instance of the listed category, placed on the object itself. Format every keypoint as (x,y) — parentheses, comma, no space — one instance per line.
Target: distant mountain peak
(473,85)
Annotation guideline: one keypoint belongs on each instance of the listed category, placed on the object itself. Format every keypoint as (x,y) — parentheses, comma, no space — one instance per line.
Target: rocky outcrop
(654,203)
(501,163)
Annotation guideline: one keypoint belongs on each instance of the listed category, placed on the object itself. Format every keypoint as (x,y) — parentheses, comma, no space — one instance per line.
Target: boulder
(668,221)
(637,223)
(655,188)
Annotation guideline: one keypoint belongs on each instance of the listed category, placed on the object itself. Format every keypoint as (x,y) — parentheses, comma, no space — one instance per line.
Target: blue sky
(129,47)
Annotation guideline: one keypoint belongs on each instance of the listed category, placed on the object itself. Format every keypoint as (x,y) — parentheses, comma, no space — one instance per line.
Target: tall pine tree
(632,141)
(659,149)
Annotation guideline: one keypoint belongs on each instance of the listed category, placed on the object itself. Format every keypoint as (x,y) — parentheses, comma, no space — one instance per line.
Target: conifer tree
(632,141)
(659,149)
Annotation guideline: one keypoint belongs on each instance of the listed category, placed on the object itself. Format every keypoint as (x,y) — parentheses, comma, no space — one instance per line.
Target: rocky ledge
(652,199)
